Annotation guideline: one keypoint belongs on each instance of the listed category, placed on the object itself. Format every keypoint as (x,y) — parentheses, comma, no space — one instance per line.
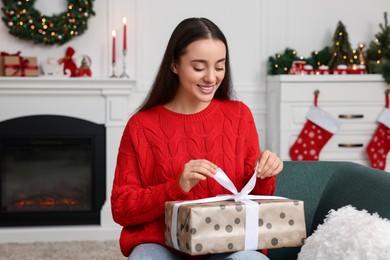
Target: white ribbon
(252,207)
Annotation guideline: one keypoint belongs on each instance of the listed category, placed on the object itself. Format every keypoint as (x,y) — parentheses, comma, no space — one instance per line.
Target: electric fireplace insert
(52,171)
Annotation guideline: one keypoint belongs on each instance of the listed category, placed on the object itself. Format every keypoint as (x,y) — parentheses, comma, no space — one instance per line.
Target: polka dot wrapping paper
(217,227)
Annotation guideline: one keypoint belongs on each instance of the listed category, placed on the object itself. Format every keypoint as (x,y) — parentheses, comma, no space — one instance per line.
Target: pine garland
(281,63)
(26,22)
(340,53)
(319,58)
(379,49)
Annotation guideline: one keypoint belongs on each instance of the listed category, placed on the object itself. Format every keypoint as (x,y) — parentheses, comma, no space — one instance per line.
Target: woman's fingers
(203,167)
(195,171)
(269,164)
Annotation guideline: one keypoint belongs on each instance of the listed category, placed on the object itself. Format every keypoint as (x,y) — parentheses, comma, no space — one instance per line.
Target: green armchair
(326,185)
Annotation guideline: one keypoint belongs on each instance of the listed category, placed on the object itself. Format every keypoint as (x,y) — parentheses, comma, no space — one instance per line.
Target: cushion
(348,233)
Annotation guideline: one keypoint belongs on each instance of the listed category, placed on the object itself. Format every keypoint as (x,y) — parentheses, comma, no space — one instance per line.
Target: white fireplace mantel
(102,101)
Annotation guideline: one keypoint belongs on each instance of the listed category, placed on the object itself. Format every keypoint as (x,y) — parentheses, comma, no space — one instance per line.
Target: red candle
(124,33)
(113,46)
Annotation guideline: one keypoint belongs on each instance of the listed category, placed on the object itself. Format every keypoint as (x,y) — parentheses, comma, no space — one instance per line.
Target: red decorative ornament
(69,64)
(85,70)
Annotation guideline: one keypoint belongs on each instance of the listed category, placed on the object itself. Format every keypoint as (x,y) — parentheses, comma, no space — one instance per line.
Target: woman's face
(200,70)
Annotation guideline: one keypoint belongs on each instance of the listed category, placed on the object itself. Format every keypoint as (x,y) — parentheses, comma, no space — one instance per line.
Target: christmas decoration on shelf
(386,72)
(297,67)
(318,129)
(281,63)
(338,59)
(379,145)
(308,69)
(124,52)
(52,68)
(357,69)
(124,73)
(113,57)
(319,58)
(340,69)
(323,70)
(361,56)
(85,68)
(2,55)
(341,51)
(379,49)
(26,22)
(378,52)
(70,67)
(15,65)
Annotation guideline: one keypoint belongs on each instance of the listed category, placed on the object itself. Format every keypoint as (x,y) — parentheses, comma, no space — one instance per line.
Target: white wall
(255,29)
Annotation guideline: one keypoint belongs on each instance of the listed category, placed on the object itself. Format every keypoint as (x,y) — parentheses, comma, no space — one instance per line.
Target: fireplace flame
(46,202)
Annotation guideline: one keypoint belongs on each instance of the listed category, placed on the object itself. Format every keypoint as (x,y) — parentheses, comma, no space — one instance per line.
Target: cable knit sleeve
(135,202)
(252,149)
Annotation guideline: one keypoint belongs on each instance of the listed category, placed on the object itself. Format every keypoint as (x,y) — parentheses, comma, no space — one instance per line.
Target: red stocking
(316,132)
(379,145)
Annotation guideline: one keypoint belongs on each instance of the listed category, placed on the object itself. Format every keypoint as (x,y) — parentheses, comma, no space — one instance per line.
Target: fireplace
(65,210)
(52,171)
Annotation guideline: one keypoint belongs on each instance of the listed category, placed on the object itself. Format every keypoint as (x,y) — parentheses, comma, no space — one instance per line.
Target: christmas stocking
(316,132)
(379,145)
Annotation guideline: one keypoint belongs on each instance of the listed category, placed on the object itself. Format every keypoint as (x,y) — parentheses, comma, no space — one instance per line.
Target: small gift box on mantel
(234,222)
(2,55)
(18,66)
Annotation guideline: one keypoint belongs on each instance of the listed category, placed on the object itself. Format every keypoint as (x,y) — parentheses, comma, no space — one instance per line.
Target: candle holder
(113,71)
(124,74)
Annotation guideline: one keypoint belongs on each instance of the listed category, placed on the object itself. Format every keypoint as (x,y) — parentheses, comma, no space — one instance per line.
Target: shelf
(58,83)
(327,78)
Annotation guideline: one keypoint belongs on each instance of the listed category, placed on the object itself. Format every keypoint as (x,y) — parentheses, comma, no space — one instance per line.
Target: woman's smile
(206,89)
(200,71)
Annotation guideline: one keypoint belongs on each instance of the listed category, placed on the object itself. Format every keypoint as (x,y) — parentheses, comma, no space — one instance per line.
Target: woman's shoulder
(143,117)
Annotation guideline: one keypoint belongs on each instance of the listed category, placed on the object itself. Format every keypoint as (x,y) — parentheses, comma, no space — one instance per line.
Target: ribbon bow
(22,66)
(3,53)
(252,207)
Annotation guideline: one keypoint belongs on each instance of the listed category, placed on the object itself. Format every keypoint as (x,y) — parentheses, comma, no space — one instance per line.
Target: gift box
(235,222)
(1,66)
(2,55)
(217,227)
(19,66)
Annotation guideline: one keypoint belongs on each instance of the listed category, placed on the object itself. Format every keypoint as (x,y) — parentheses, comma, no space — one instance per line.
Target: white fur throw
(349,234)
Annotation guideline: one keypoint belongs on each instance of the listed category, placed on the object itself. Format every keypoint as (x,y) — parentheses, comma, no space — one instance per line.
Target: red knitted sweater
(155,146)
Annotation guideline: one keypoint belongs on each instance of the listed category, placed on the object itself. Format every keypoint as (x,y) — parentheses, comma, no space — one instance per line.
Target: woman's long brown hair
(166,83)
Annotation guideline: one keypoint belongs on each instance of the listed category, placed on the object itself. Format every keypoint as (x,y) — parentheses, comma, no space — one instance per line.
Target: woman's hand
(195,171)
(268,165)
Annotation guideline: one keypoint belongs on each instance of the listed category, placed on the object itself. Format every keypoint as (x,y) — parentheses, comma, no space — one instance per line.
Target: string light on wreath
(26,22)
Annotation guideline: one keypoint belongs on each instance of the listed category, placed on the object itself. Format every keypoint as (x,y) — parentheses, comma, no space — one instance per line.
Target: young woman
(187,127)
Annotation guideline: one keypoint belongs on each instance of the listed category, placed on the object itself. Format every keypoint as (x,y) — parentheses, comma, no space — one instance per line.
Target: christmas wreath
(26,22)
